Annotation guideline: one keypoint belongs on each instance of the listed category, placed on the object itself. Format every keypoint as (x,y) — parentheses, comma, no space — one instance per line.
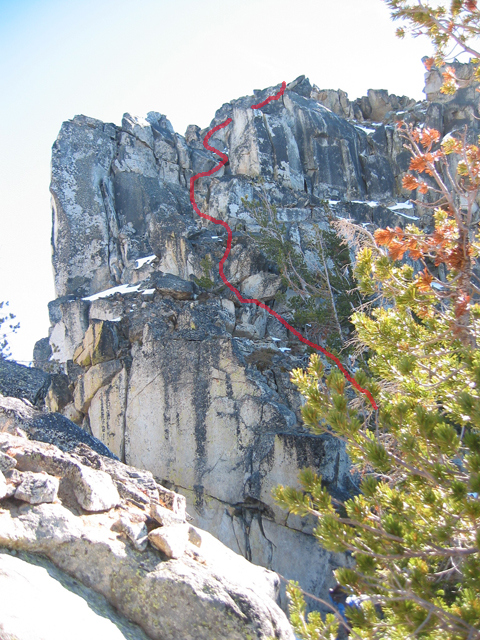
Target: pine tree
(322,298)
(7,327)
(451,28)
(414,527)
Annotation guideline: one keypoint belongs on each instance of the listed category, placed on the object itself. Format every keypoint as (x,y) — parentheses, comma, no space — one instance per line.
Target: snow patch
(146,260)
(367,130)
(371,203)
(123,288)
(404,215)
(401,205)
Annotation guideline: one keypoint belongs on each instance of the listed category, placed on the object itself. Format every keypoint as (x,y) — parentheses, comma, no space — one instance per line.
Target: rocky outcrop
(120,193)
(19,381)
(162,363)
(118,533)
(52,428)
(448,113)
(377,106)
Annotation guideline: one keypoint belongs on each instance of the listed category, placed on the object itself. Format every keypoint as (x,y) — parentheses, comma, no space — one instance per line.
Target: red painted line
(275,97)
(205,174)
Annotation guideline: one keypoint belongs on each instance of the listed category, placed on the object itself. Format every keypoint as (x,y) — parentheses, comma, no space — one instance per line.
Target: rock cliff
(159,361)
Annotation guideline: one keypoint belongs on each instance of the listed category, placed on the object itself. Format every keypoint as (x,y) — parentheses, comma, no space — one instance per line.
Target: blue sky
(183,58)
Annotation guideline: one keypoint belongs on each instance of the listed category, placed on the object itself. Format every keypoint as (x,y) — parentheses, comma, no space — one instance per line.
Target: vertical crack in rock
(270,544)
(274,155)
(201,396)
(115,261)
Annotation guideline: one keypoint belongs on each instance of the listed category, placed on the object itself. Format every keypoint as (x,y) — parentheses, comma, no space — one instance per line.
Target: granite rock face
(164,366)
(192,587)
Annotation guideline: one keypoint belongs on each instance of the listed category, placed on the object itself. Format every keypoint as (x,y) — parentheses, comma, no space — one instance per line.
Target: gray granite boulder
(205,590)
(18,381)
(53,428)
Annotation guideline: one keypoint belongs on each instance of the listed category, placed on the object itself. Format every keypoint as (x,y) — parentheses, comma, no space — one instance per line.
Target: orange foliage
(429,137)
(396,250)
(429,62)
(418,163)
(423,187)
(423,282)
(384,236)
(410,183)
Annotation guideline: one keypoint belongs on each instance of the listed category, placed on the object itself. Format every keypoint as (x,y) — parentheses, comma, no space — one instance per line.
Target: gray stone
(18,381)
(75,416)
(261,286)
(378,176)
(94,490)
(164,516)
(3,486)
(106,413)
(194,536)
(59,393)
(99,553)
(44,427)
(336,101)
(70,321)
(106,309)
(7,462)
(96,377)
(36,488)
(378,103)
(171,539)
(82,155)
(229,308)
(173,501)
(173,286)
(200,394)
(42,352)
(134,530)
(99,344)
(138,128)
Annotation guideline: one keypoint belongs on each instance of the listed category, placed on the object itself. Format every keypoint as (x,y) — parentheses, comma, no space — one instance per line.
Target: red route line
(205,174)
(275,97)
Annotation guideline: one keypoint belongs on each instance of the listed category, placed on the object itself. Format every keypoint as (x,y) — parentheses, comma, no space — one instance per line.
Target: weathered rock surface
(41,601)
(83,154)
(164,365)
(37,488)
(53,428)
(18,381)
(200,590)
